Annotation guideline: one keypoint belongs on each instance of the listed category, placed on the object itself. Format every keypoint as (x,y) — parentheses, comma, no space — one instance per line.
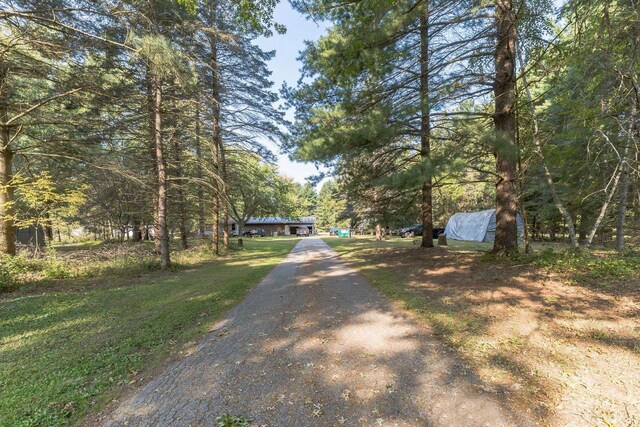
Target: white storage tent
(477,226)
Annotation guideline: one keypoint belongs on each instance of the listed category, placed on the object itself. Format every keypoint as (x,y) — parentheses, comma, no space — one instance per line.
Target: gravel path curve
(315,345)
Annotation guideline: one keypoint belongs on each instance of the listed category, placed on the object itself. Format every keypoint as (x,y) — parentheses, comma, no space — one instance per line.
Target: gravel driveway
(315,345)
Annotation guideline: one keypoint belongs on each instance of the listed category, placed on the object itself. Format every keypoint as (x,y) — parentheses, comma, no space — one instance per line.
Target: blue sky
(286,68)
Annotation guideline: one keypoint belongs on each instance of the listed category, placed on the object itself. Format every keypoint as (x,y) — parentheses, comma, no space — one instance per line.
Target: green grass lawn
(67,351)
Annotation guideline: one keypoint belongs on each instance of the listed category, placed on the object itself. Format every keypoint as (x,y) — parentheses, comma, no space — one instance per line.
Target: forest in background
(136,119)
(132,119)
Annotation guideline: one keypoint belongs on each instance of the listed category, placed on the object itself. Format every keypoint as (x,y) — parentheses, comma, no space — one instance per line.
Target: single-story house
(273,224)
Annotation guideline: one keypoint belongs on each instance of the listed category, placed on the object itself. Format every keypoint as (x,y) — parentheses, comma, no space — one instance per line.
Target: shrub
(589,264)
(18,264)
(11,268)
(7,281)
(56,269)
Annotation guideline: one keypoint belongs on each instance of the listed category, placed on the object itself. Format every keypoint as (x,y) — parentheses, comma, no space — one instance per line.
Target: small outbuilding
(477,226)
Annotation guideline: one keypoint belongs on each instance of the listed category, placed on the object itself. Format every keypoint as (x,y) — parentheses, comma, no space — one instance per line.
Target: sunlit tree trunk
(7,230)
(506,238)
(163,235)
(159,153)
(379,229)
(615,179)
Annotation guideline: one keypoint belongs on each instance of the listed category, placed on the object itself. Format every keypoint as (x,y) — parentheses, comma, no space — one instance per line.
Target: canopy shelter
(477,226)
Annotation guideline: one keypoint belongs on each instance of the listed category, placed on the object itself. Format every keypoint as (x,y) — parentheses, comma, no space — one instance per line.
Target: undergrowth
(603,268)
(53,264)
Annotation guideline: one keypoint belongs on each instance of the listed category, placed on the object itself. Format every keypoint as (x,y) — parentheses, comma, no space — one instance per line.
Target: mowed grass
(67,352)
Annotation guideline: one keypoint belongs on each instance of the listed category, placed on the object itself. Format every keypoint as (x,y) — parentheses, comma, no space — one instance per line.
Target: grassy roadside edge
(67,361)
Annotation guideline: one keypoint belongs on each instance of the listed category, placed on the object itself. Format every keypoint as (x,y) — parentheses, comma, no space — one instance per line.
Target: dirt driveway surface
(315,345)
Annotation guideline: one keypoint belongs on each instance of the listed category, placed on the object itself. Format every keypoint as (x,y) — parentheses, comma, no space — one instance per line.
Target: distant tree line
(136,118)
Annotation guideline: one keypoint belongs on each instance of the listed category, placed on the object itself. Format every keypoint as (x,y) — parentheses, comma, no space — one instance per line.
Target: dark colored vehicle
(255,232)
(416,230)
(411,231)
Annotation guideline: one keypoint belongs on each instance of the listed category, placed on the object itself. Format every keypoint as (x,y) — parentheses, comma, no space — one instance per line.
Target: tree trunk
(506,238)
(216,134)
(163,236)
(182,214)
(7,230)
(605,205)
(224,204)
(201,217)
(425,133)
(379,233)
(215,228)
(48,228)
(625,179)
(547,173)
(152,156)
(136,230)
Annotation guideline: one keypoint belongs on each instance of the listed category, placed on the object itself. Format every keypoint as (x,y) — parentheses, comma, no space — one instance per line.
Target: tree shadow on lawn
(524,330)
(323,350)
(122,264)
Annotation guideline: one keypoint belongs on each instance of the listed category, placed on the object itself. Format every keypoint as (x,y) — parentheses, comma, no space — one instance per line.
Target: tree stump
(240,242)
(442,239)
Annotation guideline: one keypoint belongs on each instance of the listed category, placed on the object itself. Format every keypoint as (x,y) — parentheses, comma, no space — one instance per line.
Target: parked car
(302,231)
(411,231)
(333,231)
(437,231)
(255,232)
(416,230)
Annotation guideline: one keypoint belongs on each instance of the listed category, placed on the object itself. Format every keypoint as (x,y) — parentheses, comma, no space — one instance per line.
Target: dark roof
(280,220)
